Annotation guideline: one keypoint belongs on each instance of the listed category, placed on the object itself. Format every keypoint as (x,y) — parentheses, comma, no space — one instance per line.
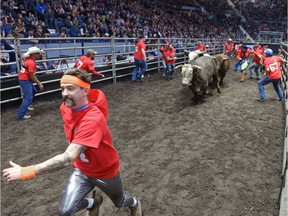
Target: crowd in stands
(102,18)
(261,15)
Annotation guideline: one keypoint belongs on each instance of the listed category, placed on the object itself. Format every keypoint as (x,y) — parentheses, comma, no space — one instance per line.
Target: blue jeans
(29,91)
(255,67)
(164,67)
(170,70)
(139,64)
(276,86)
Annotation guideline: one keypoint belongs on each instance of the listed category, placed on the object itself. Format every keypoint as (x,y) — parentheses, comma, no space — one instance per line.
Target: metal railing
(283,195)
(62,53)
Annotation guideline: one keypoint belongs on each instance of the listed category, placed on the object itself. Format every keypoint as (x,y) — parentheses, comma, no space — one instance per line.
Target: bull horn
(178,68)
(186,52)
(196,67)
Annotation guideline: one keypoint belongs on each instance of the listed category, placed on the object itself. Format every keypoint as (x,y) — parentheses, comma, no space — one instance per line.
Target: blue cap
(269,52)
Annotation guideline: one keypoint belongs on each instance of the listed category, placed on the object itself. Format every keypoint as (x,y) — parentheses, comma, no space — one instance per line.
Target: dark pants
(79,185)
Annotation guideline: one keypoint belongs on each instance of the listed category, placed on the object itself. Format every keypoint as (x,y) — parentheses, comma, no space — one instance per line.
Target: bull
(223,63)
(198,75)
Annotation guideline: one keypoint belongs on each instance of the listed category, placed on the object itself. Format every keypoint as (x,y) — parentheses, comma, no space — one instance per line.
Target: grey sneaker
(30,108)
(137,210)
(94,211)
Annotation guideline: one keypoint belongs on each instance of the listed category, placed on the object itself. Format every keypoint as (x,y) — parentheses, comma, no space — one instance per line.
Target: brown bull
(223,64)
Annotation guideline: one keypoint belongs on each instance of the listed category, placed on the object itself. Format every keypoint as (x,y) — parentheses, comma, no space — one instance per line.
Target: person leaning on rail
(26,77)
(85,62)
(90,151)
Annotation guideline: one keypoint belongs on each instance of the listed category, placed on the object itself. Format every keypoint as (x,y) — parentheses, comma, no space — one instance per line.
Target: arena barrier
(283,195)
(114,59)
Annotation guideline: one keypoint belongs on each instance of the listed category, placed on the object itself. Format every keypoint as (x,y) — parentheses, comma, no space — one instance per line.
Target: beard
(69,101)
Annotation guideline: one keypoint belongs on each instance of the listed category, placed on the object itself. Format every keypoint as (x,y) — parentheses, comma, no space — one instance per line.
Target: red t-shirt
(244,55)
(200,47)
(85,63)
(171,54)
(259,53)
(88,127)
(138,53)
(274,65)
(29,66)
(229,47)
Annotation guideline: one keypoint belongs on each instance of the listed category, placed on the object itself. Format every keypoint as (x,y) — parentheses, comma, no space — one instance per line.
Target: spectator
(26,78)
(86,63)
(44,28)
(41,9)
(39,32)
(139,59)
(272,65)
(30,34)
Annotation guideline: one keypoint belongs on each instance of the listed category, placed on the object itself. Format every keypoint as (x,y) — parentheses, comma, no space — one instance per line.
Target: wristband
(27,172)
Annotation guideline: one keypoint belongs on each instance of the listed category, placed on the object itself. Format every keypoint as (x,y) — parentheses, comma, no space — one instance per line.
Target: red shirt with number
(85,63)
(138,53)
(88,127)
(28,66)
(273,63)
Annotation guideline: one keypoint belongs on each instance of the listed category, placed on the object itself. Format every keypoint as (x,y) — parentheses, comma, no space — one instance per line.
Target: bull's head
(187,73)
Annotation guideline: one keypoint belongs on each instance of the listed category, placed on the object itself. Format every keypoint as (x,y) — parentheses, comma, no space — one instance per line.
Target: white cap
(229,39)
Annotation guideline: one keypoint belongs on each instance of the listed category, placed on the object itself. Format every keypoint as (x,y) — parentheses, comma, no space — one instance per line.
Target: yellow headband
(69,79)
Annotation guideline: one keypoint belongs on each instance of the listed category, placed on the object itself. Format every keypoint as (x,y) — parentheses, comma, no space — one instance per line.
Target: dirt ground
(219,158)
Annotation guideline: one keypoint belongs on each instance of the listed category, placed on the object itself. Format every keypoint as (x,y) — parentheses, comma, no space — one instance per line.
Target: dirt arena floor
(219,158)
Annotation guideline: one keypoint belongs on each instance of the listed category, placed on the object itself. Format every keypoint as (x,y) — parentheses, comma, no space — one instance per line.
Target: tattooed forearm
(60,161)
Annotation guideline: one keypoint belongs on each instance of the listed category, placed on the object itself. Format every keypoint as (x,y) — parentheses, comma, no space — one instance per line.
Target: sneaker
(260,99)
(251,77)
(94,210)
(30,108)
(282,100)
(242,80)
(25,117)
(137,210)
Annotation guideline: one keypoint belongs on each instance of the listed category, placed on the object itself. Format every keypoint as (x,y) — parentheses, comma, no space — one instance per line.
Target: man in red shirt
(163,50)
(229,48)
(243,61)
(257,61)
(200,46)
(26,77)
(139,59)
(170,56)
(272,65)
(86,63)
(90,151)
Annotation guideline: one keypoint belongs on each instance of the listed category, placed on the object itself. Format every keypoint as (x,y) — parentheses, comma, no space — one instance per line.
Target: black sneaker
(260,99)
(94,210)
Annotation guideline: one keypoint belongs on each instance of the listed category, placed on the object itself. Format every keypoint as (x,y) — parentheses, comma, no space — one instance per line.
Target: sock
(90,202)
(134,203)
